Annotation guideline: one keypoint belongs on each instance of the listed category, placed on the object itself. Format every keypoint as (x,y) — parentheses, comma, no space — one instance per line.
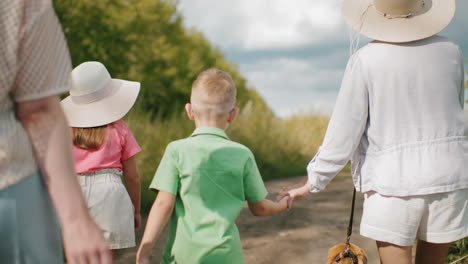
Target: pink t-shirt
(119,144)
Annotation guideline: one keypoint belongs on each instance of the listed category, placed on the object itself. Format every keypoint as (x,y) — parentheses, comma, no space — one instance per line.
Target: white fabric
(399,118)
(34,64)
(96,99)
(110,206)
(435,218)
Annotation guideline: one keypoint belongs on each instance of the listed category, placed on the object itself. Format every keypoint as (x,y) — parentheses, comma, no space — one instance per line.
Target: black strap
(351,218)
(348,253)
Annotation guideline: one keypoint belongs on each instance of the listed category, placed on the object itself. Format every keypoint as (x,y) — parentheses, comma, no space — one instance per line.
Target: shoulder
(450,45)
(442,41)
(121,124)
(121,128)
(177,145)
(241,149)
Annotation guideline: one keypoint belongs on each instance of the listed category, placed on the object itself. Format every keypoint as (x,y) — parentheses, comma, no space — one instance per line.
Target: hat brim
(104,111)
(430,20)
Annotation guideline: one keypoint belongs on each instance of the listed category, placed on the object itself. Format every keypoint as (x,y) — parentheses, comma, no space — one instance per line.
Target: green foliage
(457,251)
(146,41)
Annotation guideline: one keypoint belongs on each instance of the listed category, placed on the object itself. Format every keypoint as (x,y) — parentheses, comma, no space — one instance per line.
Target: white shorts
(110,206)
(434,218)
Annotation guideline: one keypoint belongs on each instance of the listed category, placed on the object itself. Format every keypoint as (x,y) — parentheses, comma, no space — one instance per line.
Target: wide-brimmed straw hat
(398,20)
(95,98)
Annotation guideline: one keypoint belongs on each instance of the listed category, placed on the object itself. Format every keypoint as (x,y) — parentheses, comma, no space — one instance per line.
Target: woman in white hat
(105,149)
(399,119)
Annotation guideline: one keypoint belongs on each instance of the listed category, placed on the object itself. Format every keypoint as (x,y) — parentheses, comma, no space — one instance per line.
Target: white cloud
(263,24)
(288,82)
(290,85)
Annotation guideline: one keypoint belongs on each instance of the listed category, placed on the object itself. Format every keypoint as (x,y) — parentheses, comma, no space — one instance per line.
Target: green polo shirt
(212,177)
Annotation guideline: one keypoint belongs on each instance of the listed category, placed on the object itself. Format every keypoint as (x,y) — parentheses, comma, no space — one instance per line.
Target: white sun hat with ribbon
(398,20)
(95,98)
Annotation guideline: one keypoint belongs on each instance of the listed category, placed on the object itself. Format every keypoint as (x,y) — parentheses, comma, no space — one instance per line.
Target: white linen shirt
(399,119)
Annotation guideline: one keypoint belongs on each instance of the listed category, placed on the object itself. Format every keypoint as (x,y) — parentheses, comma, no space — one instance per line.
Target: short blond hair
(213,93)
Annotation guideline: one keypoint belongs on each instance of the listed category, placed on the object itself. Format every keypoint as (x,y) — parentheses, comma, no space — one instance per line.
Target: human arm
(157,220)
(345,129)
(166,180)
(132,182)
(49,134)
(266,207)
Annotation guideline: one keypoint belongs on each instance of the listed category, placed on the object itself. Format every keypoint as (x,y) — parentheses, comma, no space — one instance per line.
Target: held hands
(286,200)
(299,192)
(294,192)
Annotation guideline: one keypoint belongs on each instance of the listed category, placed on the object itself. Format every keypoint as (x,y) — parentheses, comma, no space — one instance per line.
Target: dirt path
(301,235)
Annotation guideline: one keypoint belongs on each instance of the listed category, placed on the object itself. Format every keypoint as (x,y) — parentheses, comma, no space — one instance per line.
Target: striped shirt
(34,64)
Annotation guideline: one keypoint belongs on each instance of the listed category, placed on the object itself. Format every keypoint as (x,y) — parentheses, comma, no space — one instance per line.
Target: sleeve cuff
(314,189)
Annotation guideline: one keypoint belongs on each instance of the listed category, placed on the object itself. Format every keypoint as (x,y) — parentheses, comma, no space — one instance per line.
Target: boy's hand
(143,254)
(143,261)
(287,200)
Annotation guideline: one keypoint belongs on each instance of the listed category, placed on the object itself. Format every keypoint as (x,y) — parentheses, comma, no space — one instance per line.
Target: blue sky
(293,55)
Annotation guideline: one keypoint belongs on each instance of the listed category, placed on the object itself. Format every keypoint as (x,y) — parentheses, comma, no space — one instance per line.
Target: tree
(146,41)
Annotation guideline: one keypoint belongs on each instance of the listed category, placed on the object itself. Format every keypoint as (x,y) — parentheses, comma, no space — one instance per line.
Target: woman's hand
(285,190)
(300,192)
(84,243)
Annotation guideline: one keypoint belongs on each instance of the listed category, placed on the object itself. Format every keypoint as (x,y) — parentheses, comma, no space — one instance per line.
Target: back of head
(213,94)
(89,137)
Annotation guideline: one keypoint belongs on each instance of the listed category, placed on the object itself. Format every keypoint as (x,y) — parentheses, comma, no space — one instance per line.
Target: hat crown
(398,7)
(89,77)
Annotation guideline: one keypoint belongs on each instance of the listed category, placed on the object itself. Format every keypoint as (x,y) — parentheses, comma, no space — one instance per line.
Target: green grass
(458,250)
(282,148)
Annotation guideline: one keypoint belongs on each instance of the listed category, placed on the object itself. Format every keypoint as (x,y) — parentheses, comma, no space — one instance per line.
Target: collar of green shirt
(209,131)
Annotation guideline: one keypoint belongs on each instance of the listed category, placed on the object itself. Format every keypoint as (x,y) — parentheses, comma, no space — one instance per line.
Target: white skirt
(110,206)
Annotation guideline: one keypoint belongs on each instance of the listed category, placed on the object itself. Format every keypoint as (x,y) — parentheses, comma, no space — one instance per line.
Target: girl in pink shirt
(105,149)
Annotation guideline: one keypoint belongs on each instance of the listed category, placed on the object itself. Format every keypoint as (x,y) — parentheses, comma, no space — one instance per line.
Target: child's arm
(266,207)
(157,219)
(132,182)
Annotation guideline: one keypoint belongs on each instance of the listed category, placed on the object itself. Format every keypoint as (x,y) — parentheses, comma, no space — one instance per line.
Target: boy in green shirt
(204,181)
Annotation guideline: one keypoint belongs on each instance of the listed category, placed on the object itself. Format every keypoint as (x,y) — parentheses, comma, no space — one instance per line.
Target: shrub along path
(301,235)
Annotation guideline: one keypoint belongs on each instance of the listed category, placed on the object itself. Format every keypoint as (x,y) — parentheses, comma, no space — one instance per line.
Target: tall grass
(282,148)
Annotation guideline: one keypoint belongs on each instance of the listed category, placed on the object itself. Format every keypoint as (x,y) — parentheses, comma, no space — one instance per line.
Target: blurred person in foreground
(399,119)
(37,176)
